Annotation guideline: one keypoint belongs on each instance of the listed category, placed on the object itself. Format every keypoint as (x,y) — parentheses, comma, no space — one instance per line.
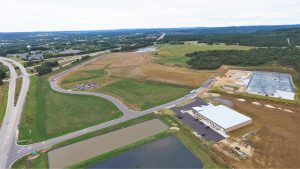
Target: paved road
(9,128)
(18,151)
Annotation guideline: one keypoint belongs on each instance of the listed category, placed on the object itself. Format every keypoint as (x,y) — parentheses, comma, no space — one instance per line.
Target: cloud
(49,15)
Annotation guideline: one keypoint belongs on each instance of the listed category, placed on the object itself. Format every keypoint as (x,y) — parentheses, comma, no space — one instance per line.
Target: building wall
(210,123)
(285,95)
(219,127)
(239,126)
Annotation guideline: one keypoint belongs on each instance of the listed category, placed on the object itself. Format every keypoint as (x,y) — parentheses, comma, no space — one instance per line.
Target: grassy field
(141,66)
(84,75)
(175,54)
(43,162)
(137,81)
(18,89)
(144,94)
(3,100)
(198,147)
(178,61)
(39,163)
(48,114)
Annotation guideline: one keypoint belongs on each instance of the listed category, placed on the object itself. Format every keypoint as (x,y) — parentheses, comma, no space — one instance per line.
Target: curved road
(9,129)
(18,151)
(6,132)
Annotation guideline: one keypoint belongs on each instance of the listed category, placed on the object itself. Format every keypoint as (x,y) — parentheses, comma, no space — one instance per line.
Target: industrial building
(32,55)
(272,84)
(221,118)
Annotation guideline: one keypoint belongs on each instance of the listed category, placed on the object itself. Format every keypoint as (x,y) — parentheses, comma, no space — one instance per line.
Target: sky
(63,15)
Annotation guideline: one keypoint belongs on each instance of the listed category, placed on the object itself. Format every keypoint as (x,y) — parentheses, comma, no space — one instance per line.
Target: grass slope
(175,54)
(84,75)
(181,50)
(3,100)
(49,114)
(145,94)
(18,89)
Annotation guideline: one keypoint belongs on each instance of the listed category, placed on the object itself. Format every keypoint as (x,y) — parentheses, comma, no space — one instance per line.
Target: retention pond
(168,152)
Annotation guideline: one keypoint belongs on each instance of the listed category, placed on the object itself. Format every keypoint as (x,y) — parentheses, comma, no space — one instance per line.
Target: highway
(17,151)
(7,125)
(9,129)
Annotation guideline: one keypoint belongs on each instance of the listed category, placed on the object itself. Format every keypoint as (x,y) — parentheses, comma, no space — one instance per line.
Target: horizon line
(123,29)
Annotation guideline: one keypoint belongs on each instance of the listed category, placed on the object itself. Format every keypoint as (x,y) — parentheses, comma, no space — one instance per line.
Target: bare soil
(141,66)
(231,79)
(276,143)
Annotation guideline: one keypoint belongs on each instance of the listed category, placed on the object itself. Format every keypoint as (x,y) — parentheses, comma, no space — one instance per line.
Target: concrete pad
(256,103)
(241,100)
(270,106)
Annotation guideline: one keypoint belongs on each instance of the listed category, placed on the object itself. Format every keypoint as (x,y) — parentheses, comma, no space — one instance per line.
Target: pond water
(168,152)
(146,49)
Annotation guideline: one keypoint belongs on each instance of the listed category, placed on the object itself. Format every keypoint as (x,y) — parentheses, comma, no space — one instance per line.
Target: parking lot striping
(200,128)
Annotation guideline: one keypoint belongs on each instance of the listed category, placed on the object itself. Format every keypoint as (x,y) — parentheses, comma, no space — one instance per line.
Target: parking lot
(196,125)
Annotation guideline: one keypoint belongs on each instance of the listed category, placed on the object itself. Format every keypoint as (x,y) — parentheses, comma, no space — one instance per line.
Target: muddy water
(84,150)
(168,152)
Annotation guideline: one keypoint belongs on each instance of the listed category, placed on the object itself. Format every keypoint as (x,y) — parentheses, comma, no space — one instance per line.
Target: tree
(46,67)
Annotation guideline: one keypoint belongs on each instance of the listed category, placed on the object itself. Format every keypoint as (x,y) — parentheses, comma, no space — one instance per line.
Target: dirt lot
(276,143)
(140,66)
(233,80)
(84,150)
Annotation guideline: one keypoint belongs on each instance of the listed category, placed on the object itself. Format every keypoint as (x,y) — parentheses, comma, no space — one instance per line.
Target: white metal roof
(284,95)
(197,108)
(224,116)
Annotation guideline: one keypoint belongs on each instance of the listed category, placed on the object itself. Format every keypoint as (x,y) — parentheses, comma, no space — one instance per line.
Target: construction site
(270,84)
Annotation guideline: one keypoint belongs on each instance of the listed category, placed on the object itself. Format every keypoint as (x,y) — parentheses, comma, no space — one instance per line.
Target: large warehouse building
(272,84)
(221,118)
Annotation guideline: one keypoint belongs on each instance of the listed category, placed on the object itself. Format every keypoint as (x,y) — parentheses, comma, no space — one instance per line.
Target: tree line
(275,38)
(254,57)
(2,74)
(46,67)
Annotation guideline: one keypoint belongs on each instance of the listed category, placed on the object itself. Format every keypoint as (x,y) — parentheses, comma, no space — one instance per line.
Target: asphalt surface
(9,129)
(15,151)
(7,125)
(196,125)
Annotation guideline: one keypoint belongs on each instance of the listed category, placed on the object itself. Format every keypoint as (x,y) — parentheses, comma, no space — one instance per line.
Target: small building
(191,42)
(32,55)
(222,118)
(70,52)
(35,55)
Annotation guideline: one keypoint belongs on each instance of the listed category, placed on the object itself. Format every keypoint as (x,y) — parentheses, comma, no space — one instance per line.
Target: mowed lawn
(145,94)
(50,114)
(83,75)
(175,54)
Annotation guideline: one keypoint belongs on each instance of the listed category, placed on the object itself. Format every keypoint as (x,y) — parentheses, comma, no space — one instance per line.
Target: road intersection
(9,129)
(13,151)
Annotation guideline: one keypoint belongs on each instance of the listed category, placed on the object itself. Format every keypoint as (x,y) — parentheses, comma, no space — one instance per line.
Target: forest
(273,38)
(254,57)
